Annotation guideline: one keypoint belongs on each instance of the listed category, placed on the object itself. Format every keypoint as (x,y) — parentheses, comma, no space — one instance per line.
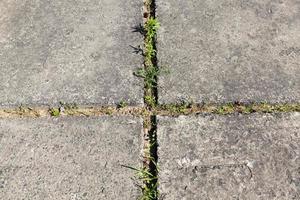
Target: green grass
(186,108)
(150,71)
(181,108)
(262,107)
(151,28)
(148,173)
(68,107)
(122,104)
(149,185)
(149,75)
(55,112)
(150,100)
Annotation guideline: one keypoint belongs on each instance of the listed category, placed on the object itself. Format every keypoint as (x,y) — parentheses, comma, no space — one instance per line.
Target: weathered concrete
(71,51)
(229,50)
(69,158)
(247,157)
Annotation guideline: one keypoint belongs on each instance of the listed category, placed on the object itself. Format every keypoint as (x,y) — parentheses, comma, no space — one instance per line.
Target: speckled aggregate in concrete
(71,51)
(246,157)
(71,158)
(229,50)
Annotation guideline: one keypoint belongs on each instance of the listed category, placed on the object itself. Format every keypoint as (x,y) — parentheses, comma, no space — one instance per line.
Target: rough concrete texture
(246,157)
(72,51)
(69,158)
(229,50)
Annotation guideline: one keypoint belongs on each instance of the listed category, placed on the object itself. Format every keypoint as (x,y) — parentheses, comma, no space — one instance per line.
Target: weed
(55,112)
(271,108)
(150,100)
(149,75)
(225,109)
(149,186)
(181,108)
(150,71)
(151,27)
(148,174)
(122,104)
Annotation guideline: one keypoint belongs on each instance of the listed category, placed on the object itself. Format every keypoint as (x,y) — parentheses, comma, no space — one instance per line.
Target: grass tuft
(185,108)
(151,28)
(149,185)
(54,112)
(181,108)
(150,71)
(122,104)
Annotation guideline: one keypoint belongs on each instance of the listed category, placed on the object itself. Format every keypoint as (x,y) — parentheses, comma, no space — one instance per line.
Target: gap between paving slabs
(149,172)
(150,71)
(172,110)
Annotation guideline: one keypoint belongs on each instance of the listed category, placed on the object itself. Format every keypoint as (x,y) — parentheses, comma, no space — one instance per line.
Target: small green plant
(150,71)
(55,112)
(180,108)
(122,104)
(149,179)
(149,186)
(149,75)
(287,108)
(247,109)
(225,109)
(150,100)
(151,27)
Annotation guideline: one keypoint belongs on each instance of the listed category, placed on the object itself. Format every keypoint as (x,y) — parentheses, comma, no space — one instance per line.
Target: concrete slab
(229,50)
(71,51)
(69,158)
(249,157)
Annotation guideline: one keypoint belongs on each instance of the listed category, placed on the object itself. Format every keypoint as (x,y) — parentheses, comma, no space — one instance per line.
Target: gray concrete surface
(71,51)
(69,158)
(246,157)
(229,50)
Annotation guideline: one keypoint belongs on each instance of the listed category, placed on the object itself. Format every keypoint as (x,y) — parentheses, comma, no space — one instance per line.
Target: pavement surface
(69,158)
(229,50)
(86,52)
(71,51)
(230,157)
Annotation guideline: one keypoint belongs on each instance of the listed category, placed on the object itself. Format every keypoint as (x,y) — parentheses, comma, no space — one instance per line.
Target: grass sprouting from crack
(187,108)
(149,182)
(151,28)
(182,108)
(150,191)
(122,104)
(150,71)
(54,112)
(147,175)
(67,108)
